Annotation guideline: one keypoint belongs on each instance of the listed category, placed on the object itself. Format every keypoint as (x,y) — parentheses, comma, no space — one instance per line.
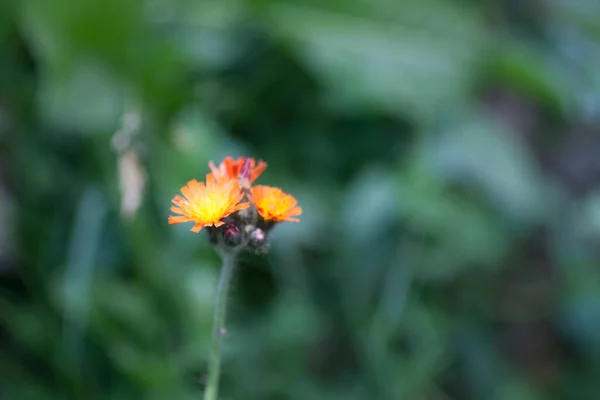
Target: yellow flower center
(210,207)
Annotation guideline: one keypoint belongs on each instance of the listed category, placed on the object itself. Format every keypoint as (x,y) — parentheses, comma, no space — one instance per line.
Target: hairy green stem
(212,386)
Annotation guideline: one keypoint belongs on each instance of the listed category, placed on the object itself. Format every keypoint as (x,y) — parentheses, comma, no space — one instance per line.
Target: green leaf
(87,99)
(392,63)
(485,155)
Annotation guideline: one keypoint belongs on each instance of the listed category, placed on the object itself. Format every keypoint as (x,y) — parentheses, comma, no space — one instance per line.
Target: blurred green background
(446,154)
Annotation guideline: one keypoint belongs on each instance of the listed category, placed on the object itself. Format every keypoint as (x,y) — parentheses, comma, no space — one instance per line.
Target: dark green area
(446,155)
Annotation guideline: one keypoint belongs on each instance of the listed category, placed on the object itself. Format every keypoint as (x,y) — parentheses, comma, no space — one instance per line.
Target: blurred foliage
(446,154)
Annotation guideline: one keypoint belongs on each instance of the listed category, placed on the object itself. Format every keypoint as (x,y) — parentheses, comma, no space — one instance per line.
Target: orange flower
(243,169)
(206,204)
(273,204)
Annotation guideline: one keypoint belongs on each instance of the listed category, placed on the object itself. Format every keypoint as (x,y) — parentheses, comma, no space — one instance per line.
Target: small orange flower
(273,204)
(206,204)
(243,169)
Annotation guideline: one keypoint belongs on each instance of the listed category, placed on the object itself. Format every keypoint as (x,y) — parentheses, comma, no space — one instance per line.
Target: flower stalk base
(219,330)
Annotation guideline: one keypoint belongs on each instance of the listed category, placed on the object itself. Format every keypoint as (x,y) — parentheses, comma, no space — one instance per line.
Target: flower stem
(212,386)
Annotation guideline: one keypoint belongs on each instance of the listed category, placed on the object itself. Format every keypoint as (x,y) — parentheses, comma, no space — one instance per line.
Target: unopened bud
(258,241)
(258,235)
(231,235)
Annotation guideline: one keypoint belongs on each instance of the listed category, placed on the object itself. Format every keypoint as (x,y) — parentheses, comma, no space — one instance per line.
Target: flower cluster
(235,213)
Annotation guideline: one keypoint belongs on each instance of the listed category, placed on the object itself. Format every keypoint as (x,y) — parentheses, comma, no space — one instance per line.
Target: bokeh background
(446,154)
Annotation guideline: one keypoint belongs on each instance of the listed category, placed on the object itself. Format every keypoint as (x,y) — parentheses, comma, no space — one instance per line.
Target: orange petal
(218,224)
(291,202)
(187,191)
(241,206)
(177,210)
(258,170)
(179,219)
(210,182)
(238,198)
(228,168)
(294,211)
(213,168)
(197,188)
(197,228)
(179,201)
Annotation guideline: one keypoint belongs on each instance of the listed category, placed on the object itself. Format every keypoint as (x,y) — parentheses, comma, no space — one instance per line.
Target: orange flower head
(207,204)
(273,204)
(244,169)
